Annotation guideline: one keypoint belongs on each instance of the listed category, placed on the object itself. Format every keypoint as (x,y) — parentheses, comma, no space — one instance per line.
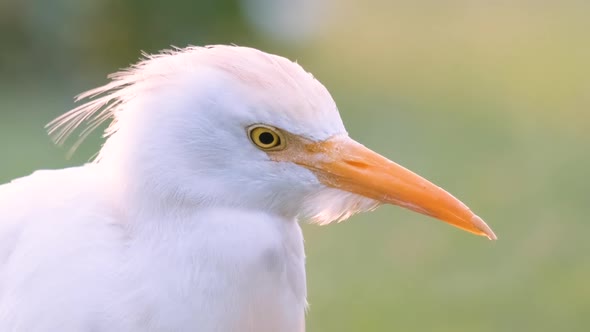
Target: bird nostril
(357,164)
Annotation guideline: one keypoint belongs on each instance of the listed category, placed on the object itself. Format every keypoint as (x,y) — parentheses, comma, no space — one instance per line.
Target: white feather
(181,224)
(70,264)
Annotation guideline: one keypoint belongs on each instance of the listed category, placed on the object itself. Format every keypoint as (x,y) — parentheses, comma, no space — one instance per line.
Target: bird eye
(266,138)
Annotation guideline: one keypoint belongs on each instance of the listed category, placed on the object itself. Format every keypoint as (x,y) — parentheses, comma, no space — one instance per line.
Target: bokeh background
(489,99)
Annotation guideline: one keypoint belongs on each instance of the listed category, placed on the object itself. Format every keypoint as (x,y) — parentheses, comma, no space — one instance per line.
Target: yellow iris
(265,137)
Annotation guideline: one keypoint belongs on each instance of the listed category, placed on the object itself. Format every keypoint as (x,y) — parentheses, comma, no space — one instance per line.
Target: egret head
(234,126)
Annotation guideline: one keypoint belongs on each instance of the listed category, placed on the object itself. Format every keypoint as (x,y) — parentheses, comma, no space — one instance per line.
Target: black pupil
(266,138)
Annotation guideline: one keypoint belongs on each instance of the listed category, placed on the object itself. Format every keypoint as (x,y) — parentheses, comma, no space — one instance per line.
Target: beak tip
(483,227)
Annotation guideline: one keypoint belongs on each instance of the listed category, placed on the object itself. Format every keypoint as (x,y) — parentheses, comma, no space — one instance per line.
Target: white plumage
(186,221)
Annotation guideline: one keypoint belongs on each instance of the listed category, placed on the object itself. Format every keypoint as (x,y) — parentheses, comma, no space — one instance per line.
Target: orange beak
(342,163)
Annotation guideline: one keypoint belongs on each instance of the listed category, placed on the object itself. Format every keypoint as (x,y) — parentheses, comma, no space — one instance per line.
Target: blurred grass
(489,100)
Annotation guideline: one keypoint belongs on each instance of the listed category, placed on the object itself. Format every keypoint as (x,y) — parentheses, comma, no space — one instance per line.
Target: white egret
(188,218)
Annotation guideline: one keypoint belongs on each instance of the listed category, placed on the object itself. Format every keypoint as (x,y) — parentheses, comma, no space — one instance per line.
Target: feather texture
(181,224)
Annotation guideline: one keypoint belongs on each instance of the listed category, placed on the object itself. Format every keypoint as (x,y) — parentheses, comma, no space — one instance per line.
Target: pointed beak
(342,163)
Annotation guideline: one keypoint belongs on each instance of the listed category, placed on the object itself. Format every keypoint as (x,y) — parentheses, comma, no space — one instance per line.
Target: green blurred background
(489,99)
